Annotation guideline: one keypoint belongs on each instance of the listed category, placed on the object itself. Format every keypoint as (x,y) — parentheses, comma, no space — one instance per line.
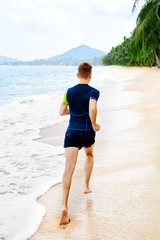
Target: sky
(36,29)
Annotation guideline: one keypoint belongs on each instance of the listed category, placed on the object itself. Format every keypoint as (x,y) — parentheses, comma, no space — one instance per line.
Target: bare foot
(64,217)
(87,190)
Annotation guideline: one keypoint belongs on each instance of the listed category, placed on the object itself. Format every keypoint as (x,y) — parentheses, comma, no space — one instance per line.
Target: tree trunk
(155,54)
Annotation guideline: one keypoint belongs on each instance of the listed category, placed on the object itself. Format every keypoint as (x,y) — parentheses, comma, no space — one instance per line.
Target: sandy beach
(125,199)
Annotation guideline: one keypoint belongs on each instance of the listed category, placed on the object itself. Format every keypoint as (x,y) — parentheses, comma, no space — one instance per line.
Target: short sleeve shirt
(77,98)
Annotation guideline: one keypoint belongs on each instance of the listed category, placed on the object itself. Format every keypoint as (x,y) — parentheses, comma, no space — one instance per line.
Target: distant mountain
(74,56)
(82,52)
(71,57)
(8,60)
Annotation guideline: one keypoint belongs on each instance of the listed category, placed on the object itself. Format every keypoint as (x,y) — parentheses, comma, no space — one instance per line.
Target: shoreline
(125,161)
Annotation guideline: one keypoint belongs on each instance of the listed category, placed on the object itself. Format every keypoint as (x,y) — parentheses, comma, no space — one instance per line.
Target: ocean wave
(28,168)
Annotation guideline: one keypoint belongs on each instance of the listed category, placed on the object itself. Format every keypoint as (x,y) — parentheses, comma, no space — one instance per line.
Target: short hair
(84,69)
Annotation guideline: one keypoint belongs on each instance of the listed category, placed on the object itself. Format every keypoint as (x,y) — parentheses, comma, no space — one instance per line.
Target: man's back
(78,98)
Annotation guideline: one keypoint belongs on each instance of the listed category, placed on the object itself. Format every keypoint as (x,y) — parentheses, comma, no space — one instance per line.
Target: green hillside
(142,48)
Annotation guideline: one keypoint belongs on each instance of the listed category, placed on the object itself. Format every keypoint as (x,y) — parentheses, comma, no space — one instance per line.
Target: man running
(80,102)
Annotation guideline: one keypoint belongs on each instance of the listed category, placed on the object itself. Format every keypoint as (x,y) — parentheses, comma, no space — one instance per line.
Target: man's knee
(89,154)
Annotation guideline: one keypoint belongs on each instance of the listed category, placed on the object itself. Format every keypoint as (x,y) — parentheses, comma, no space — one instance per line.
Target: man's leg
(88,166)
(71,159)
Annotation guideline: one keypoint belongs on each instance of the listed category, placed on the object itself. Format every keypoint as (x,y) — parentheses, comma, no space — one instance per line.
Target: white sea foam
(28,168)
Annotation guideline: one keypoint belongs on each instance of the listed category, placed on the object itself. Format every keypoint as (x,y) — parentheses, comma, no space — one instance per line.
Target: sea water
(30,97)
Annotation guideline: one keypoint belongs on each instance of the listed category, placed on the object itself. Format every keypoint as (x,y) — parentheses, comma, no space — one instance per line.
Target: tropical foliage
(143,47)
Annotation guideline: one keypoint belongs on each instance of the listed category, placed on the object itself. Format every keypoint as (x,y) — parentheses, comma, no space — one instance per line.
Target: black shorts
(79,139)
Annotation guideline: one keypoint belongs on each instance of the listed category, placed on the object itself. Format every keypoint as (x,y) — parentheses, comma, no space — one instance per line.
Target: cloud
(33,15)
(34,29)
(111,8)
(43,28)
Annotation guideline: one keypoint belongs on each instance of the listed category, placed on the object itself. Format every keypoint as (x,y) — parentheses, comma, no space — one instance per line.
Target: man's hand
(93,114)
(96,127)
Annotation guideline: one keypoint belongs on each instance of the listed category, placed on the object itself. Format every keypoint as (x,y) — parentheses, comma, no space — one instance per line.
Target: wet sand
(125,199)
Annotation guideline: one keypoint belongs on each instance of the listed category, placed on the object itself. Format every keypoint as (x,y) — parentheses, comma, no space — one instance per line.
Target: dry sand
(125,199)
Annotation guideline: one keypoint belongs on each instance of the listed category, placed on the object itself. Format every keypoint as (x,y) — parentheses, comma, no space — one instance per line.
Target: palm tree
(148,27)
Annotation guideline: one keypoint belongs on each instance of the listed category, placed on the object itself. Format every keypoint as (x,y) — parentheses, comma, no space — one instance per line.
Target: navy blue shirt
(78,98)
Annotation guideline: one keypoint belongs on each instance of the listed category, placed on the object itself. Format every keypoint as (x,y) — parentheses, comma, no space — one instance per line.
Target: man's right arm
(93,114)
(64,108)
